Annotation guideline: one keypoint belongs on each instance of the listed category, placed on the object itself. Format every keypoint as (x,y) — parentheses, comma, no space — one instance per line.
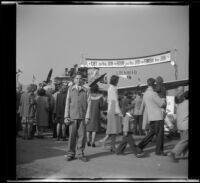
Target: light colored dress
(114,125)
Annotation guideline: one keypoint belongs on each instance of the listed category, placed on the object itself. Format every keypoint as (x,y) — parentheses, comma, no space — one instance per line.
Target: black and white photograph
(102,91)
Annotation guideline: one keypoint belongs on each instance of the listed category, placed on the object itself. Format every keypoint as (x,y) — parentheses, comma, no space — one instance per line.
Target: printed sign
(131,62)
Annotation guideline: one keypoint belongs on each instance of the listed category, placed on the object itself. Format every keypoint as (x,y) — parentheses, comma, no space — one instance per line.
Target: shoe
(139,150)
(64,139)
(88,144)
(120,153)
(139,155)
(83,158)
(69,158)
(171,155)
(93,145)
(58,139)
(113,150)
(161,154)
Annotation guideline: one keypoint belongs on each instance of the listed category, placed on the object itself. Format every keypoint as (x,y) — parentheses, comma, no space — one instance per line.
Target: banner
(130,62)
(125,76)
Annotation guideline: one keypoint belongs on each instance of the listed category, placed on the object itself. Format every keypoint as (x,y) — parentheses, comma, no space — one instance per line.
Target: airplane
(169,85)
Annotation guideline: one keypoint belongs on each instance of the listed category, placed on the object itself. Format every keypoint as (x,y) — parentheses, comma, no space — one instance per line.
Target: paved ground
(44,158)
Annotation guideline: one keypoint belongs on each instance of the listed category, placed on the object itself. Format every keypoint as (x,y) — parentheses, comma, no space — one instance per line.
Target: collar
(96,97)
(80,87)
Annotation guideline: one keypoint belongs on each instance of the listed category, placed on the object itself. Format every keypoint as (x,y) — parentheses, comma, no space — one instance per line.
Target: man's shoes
(64,139)
(120,153)
(83,158)
(139,155)
(88,144)
(69,158)
(57,139)
(113,150)
(172,157)
(93,145)
(161,154)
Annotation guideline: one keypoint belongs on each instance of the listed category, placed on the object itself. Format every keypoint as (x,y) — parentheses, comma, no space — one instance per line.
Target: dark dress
(60,107)
(95,106)
(42,111)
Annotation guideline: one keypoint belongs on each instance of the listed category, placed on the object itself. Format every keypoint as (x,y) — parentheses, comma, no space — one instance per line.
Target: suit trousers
(156,128)
(182,145)
(138,124)
(77,138)
(127,140)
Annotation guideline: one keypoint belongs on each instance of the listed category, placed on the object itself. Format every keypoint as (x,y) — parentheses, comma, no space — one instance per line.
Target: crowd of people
(75,113)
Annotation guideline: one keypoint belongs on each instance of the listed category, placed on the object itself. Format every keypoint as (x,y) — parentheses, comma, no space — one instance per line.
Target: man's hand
(67,121)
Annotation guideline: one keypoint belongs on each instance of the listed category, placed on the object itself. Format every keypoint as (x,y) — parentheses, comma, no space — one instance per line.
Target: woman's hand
(87,120)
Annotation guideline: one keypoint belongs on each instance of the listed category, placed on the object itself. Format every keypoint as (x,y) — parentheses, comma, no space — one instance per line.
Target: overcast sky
(55,36)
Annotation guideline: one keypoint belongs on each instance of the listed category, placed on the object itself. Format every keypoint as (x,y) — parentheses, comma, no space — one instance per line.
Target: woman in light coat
(114,125)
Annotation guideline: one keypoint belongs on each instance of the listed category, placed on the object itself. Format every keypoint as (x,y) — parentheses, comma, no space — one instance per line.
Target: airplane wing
(168,85)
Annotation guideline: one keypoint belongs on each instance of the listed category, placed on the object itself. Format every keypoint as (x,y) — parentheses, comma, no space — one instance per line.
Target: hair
(159,80)
(94,88)
(64,88)
(114,80)
(41,92)
(151,82)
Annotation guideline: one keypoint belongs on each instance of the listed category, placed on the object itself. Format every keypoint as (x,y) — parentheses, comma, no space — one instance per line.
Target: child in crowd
(127,134)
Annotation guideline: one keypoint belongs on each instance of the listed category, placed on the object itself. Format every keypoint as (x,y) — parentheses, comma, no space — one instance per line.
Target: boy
(127,135)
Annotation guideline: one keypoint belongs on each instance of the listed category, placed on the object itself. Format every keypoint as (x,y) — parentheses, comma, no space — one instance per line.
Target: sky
(56,36)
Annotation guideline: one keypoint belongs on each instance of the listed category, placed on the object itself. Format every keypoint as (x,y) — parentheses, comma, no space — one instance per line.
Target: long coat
(114,125)
(153,104)
(24,105)
(42,111)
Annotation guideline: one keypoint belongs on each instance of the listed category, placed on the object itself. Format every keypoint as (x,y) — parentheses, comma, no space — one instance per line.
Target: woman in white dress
(114,126)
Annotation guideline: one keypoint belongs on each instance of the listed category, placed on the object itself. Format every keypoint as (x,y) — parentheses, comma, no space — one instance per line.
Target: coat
(42,111)
(182,115)
(24,104)
(76,103)
(114,125)
(153,104)
(124,105)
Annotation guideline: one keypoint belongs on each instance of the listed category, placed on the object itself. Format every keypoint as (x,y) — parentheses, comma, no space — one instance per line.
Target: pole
(175,66)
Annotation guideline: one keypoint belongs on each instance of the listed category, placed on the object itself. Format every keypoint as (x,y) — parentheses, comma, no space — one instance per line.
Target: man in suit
(153,104)
(182,117)
(75,112)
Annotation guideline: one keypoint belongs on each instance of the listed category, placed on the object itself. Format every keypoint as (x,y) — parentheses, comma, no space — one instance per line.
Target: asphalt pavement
(44,159)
